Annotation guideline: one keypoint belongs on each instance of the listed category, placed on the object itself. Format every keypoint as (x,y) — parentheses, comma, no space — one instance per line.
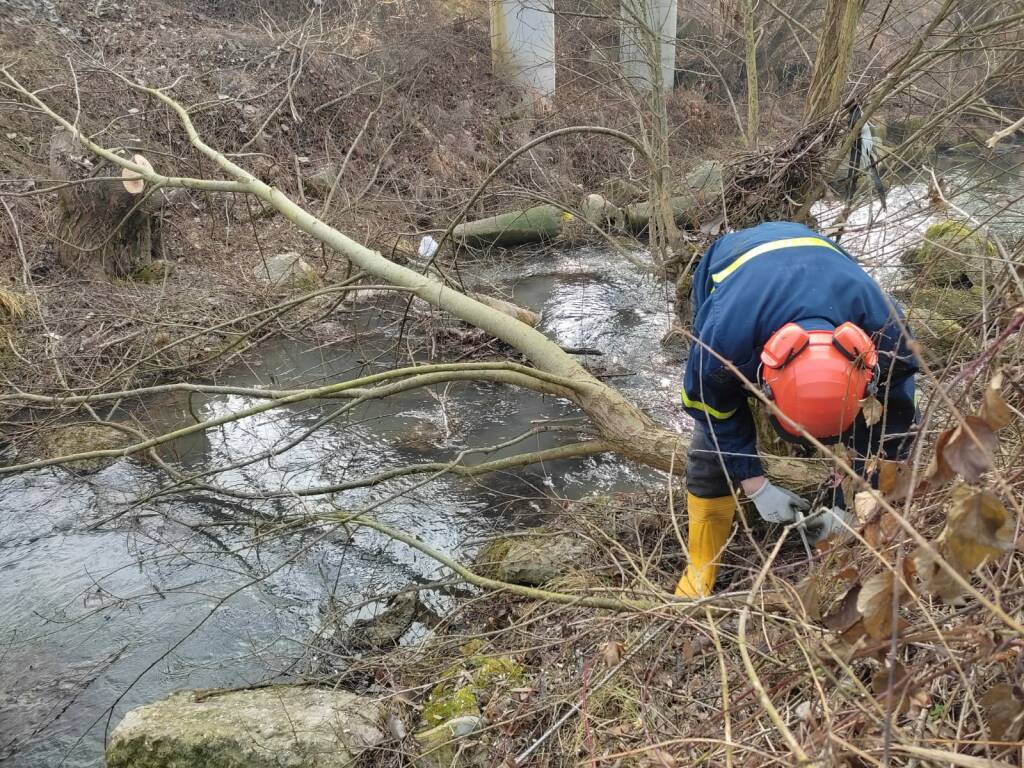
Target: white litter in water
(428,247)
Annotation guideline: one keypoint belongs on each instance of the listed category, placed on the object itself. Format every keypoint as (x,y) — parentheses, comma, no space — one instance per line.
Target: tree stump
(102,224)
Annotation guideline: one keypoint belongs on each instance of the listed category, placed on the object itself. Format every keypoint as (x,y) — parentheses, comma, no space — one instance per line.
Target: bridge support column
(648,40)
(523,43)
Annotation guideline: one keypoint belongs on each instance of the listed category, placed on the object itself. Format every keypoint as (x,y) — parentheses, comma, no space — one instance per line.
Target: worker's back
(752,282)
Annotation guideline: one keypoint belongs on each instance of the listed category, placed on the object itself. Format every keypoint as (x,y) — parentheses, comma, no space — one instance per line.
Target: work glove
(777,505)
(828,522)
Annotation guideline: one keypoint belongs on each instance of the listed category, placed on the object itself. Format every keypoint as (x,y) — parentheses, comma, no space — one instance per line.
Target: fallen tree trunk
(700,200)
(625,428)
(533,225)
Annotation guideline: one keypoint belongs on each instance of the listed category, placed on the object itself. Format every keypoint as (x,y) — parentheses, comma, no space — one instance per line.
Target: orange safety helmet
(817,379)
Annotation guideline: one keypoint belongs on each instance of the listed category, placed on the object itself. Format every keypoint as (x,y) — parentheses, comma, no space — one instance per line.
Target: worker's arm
(896,389)
(717,400)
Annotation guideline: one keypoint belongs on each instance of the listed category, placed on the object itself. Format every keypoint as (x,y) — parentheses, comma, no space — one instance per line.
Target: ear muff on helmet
(785,344)
(855,345)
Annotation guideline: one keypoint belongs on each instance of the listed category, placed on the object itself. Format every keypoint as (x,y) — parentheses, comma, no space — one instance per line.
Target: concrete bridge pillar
(648,40)
(523,43)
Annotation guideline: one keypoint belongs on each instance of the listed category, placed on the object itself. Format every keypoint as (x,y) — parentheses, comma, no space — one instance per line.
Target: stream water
(101,614)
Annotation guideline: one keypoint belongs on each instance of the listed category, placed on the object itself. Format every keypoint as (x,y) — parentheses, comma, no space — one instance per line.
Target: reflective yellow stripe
(793,242)
(698,405)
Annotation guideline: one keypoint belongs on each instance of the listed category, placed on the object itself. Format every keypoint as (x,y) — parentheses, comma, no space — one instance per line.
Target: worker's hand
(777,505)
(828,522)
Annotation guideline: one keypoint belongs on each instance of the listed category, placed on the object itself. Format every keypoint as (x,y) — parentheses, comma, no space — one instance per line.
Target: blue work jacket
(748,285)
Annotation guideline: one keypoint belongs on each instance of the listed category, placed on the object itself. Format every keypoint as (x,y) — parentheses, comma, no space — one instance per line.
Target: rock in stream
(275,727)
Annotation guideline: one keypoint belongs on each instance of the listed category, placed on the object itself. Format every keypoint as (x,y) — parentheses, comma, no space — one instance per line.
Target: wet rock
(275,727)
(287,270)
(533,225)
(71,439)
(320,182)
(384,630)
(532,559)
(423,437)
(454,709)
(941,337)
(953,254)
(961,305)
(521,314)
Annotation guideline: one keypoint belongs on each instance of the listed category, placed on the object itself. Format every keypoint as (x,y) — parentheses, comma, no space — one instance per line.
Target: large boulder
(275,727)
(953,254)
(532,559)
(287,270)
(71,439)
(938,330)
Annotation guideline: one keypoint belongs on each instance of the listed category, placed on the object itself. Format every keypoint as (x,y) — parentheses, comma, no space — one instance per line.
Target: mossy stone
(940,337)
(532,559)
(70,439)
(952,254)
(455,696)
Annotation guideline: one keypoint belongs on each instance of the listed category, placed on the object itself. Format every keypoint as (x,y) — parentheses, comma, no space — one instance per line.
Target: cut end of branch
(132,180)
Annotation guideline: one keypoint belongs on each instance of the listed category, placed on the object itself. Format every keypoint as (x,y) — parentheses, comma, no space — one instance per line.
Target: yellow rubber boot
(710,523)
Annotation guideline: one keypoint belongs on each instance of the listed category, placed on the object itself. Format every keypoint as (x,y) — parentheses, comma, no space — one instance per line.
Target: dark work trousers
(706,477)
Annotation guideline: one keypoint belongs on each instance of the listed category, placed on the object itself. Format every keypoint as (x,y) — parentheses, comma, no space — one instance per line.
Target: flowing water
(100,613)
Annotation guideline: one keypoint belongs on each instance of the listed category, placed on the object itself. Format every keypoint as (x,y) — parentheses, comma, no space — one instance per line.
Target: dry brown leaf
(935,580)
(853,633)
(971,449)
(688,652)
(875,604)
(662,758)
(846,614)
(895,479)
(1004,711)
(888,471)
(809,592)
(872,410)
(848,574)
(872,532)
(978,527)
(880,680)
(995,412)
(611,652)
(939,472)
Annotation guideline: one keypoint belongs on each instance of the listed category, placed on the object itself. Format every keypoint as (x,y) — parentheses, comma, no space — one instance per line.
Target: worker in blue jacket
(780,308)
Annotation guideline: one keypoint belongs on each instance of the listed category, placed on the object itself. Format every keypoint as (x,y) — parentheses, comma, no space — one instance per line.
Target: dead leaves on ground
(969,448)
(872,410)
(1003,706)
(978,528)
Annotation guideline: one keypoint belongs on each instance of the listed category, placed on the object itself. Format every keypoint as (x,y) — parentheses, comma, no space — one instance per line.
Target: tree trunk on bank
(102,225)
(832,61)
(753,104)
